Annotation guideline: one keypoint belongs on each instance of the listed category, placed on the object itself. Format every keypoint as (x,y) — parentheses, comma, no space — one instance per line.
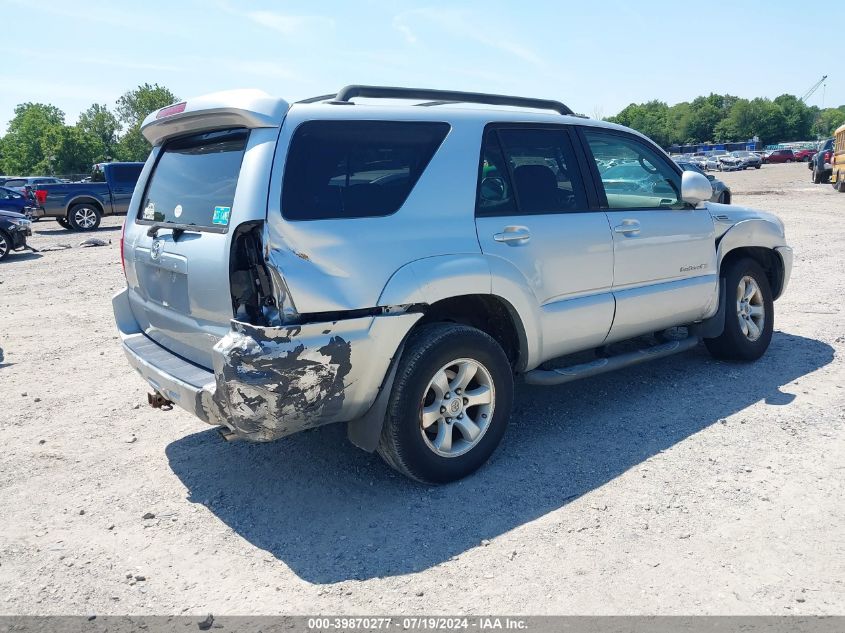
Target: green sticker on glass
(221,215)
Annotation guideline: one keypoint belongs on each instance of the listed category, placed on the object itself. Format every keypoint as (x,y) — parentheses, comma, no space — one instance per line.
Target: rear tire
(749,313)
(84,217)
(449,406)
(817,177)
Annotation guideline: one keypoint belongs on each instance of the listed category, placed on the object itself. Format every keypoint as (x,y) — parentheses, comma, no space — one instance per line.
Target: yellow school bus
(837,173)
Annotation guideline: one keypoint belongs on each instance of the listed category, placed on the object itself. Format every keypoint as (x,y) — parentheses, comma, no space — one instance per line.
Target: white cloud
(464,25)
(260,68)
(291,25)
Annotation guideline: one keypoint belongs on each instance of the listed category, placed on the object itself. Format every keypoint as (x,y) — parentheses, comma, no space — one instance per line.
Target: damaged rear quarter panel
(275,381)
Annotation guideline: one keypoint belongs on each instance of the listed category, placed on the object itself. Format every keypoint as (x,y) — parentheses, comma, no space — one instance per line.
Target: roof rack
(439,97)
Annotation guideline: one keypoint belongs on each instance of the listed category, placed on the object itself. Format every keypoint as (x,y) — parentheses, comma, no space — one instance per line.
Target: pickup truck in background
(79,206)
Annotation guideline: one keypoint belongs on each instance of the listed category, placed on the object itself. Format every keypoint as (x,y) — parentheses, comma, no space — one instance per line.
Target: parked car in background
(822,162)
(12,200)
(14,229)
(728,162)
(27,184)
(837,175)
(711,163)
(748,159)
(698,161)
(294,265)
(804,155)
(721,192)
(779,156)
(80,206)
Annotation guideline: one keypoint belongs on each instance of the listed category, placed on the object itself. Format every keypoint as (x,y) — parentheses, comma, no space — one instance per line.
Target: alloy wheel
(457,407)
(85,217)
(750,310)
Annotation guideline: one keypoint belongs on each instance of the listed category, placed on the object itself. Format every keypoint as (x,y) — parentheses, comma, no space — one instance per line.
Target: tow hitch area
(228,434)
(158,401)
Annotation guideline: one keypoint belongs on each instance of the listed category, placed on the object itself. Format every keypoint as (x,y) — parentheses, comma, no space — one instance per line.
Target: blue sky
(594,56)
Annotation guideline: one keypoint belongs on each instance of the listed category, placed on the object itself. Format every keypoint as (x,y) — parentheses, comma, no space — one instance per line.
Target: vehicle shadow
(21,256)
(332,512)
(62,231)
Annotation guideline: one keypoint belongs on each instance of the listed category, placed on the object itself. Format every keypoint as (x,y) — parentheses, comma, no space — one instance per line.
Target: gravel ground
(686,486)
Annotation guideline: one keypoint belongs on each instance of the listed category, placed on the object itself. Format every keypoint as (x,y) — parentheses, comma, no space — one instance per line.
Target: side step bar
(602,365)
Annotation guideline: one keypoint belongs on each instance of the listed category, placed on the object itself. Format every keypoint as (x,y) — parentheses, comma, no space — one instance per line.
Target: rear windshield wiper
(177,229)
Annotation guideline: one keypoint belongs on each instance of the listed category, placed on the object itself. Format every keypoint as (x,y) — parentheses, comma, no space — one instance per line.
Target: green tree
(827,121)
(651,119)
(132,109)
(69,150)
(798,118)
(23,149)
(99,122)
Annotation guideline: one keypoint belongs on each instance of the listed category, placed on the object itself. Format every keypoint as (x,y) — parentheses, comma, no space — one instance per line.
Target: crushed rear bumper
(269,382)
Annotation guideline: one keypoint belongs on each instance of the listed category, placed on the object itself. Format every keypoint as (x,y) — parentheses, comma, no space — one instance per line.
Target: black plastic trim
(446,96)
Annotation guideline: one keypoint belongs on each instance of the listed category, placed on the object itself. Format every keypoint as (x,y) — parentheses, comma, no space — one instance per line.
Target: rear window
(356,169)
(125,175)
(16,183)
(194,180)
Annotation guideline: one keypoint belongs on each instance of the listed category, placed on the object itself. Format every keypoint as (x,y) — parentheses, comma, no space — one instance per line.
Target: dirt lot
(684,486)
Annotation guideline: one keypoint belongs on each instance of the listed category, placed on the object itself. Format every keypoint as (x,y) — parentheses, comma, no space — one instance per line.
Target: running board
(602,365)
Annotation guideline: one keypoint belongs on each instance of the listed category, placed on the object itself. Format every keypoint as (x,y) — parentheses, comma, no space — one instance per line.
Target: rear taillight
(122,237)
(41,196)
(827,156)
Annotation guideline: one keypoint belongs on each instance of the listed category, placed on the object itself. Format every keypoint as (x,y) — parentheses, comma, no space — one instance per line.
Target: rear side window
(528,171)
(194,180)
(125,175)
(356,169)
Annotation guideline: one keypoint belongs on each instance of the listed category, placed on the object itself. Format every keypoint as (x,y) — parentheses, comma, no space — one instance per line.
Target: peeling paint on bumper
(269,382)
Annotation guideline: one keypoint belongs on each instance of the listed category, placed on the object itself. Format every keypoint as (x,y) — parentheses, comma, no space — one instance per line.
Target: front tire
(5,245)
(450,403)
(84,217)
(749,313)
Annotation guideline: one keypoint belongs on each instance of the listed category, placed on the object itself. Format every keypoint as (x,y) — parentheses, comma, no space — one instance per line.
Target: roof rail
(439,97)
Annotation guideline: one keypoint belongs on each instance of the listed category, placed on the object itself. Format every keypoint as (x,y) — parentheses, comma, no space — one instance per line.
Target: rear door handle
(513,235)
(628,227)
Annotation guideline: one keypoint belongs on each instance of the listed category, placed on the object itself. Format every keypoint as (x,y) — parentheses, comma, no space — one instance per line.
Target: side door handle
(513,235)
(628,227)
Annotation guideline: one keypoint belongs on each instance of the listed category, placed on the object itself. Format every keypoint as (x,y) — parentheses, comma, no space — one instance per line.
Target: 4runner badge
(155,251)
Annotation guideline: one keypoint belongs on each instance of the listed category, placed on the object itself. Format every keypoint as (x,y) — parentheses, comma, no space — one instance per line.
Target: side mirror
(695,188)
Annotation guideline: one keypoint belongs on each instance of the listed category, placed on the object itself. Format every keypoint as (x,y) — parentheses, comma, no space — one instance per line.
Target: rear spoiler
(233,108)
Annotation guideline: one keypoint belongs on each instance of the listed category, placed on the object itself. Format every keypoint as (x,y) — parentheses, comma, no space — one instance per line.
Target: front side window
(528,171)
(194,180)
(633,175)
(356,169)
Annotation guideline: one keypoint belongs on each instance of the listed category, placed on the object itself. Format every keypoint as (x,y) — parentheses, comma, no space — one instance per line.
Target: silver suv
(395,266)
